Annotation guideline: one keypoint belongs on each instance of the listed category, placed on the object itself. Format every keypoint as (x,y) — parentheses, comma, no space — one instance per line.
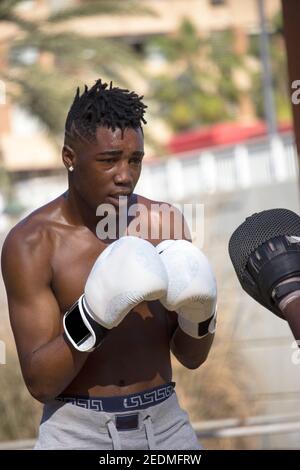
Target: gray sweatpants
(164,426)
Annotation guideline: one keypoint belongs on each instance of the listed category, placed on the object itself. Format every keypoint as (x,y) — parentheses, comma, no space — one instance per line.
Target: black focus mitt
(265,253)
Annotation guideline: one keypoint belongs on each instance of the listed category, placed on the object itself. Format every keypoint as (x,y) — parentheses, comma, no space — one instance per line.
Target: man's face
(109,167)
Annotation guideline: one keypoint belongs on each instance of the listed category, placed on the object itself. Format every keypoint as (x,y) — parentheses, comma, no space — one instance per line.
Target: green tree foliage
(46,91)
(199,89)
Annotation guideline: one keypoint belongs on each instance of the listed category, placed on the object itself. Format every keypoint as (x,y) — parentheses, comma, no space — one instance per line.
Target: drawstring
(149,432)
(114,435)
(116,438)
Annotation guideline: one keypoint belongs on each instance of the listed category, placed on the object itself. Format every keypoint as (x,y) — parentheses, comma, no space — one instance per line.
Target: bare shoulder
(167,219)
(29,240)
(153,204)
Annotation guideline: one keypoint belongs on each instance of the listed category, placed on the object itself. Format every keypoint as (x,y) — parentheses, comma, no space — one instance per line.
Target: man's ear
(68,156)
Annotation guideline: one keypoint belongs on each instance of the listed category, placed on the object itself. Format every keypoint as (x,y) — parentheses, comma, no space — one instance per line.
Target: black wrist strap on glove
(82,331)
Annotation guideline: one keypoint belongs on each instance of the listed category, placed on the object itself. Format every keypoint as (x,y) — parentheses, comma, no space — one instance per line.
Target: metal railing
(178,177)
(252,163)
(252,426)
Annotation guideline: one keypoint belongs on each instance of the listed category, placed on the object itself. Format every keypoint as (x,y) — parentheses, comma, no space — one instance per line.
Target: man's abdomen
(133,357)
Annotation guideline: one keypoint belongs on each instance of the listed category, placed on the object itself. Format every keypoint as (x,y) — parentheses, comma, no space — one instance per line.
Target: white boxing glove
(192,289)
(128,272)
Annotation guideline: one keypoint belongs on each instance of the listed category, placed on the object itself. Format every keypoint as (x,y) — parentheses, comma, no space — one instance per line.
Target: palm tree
(43,65)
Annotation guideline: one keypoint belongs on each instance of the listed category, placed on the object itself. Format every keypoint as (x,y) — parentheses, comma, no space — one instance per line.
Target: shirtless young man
(103,369)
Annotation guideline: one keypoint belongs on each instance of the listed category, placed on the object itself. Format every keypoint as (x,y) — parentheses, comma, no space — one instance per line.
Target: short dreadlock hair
(111,107)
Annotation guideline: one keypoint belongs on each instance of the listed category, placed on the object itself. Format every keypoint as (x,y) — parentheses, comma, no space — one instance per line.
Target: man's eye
(108,160)
(136,160)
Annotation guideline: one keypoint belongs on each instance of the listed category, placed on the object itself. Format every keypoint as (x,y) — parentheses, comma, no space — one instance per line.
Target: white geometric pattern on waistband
(148,397)
(87,403)
(133,401)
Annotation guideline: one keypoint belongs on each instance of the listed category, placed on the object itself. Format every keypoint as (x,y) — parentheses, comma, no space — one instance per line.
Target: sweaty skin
(46,260)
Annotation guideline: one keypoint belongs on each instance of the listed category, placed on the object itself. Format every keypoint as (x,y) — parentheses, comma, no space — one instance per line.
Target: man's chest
(73,257)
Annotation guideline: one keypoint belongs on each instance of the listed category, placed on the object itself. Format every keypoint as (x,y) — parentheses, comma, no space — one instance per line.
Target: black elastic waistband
(134,401)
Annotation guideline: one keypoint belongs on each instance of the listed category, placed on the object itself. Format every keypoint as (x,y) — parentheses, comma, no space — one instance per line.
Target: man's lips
(119,197)
(118,194)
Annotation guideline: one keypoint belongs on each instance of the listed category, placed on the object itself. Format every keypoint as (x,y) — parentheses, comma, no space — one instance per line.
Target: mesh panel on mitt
(256,230)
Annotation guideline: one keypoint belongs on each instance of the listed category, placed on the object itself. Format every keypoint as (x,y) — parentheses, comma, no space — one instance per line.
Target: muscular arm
(189,351)
(47,361)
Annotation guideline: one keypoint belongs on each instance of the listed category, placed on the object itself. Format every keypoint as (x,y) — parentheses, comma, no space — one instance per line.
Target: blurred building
(207,15)
(24,145)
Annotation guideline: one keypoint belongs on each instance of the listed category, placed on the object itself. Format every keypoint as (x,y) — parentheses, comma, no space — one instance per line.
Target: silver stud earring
(71,168)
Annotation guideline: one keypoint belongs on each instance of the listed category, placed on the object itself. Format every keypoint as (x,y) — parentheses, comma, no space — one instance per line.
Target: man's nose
(123,174)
